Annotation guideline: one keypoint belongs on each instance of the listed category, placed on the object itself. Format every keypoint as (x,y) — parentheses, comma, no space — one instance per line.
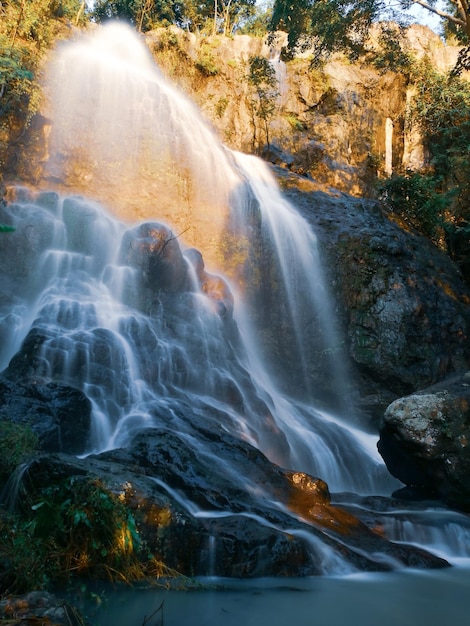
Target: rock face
(205,524)
(333,122)
(402,303)
(424,440)
(58,414)
(342,124)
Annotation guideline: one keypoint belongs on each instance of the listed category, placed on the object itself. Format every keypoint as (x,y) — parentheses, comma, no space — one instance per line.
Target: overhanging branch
(452,18)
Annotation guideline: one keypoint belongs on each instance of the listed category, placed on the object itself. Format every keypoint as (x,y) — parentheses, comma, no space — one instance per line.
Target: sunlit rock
(425,441)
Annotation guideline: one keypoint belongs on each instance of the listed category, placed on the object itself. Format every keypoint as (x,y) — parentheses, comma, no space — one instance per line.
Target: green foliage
(75,527)
(418,199)
(326,26)
(187,14)
(142,14)
(262,77)
(257,24)
(437,201)
(221,106)
(441,109)
(391,54)
(16,78)
(295,123)
(456,31)
(205,62)
(17,441)
(230,14)
(125,10)
(27,29)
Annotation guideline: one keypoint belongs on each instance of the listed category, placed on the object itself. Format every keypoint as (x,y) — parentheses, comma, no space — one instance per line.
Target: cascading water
(130,315)
(120,119)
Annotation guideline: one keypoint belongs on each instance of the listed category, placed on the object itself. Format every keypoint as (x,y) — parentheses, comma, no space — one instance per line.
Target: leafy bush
(17,444)
(206,63)
(418,200)
(71,528)
(16,78)
(437,201)
(441,109)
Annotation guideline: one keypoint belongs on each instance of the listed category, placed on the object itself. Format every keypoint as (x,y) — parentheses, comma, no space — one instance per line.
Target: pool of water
(400,598)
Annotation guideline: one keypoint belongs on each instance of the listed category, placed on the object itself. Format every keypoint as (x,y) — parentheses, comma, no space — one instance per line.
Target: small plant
(205,62)
(17,442)
(221,106)
(295,123)
(262,77)
(75,527)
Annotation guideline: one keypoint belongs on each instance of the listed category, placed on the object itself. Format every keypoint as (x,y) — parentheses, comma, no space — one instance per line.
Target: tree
(142,14)
(27,29)
(437,200)
(343,25)
(257,24)
(234,12)
(223,15)
(263,78)
(226,16)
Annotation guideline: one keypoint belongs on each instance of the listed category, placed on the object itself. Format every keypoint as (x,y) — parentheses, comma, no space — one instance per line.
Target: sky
(427,18)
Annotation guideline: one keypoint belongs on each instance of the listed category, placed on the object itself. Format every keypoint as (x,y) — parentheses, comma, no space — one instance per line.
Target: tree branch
(447,16)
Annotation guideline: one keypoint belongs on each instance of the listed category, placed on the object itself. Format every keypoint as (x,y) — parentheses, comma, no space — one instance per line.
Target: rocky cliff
(402,304)
(341,125)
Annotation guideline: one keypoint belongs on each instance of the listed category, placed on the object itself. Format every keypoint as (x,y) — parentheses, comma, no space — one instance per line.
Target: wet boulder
(222,508)
(425,440)
(58,414)
(215,287)
(402,303)
(153,249)
(21,249)
(39,607)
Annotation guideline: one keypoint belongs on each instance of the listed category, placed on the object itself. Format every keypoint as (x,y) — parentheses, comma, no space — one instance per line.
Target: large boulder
(205,516)
(60,415)
(153,249)
(425,440)
(403,305)
(39,607)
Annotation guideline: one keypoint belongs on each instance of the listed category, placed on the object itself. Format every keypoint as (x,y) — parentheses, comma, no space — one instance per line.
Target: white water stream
(114,111)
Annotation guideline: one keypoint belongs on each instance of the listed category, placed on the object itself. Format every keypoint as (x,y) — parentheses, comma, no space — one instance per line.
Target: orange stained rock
(217,290)
(310,500)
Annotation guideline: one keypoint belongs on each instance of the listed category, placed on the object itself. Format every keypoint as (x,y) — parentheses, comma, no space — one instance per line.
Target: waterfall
(142,354)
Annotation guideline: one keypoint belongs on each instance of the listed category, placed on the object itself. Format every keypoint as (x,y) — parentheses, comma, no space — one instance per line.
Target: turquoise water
(400,598)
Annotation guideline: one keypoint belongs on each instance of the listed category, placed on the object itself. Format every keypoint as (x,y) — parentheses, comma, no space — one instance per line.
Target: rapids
(125,134)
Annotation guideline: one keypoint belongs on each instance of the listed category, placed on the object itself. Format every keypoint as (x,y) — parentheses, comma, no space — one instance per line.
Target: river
(399,598)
